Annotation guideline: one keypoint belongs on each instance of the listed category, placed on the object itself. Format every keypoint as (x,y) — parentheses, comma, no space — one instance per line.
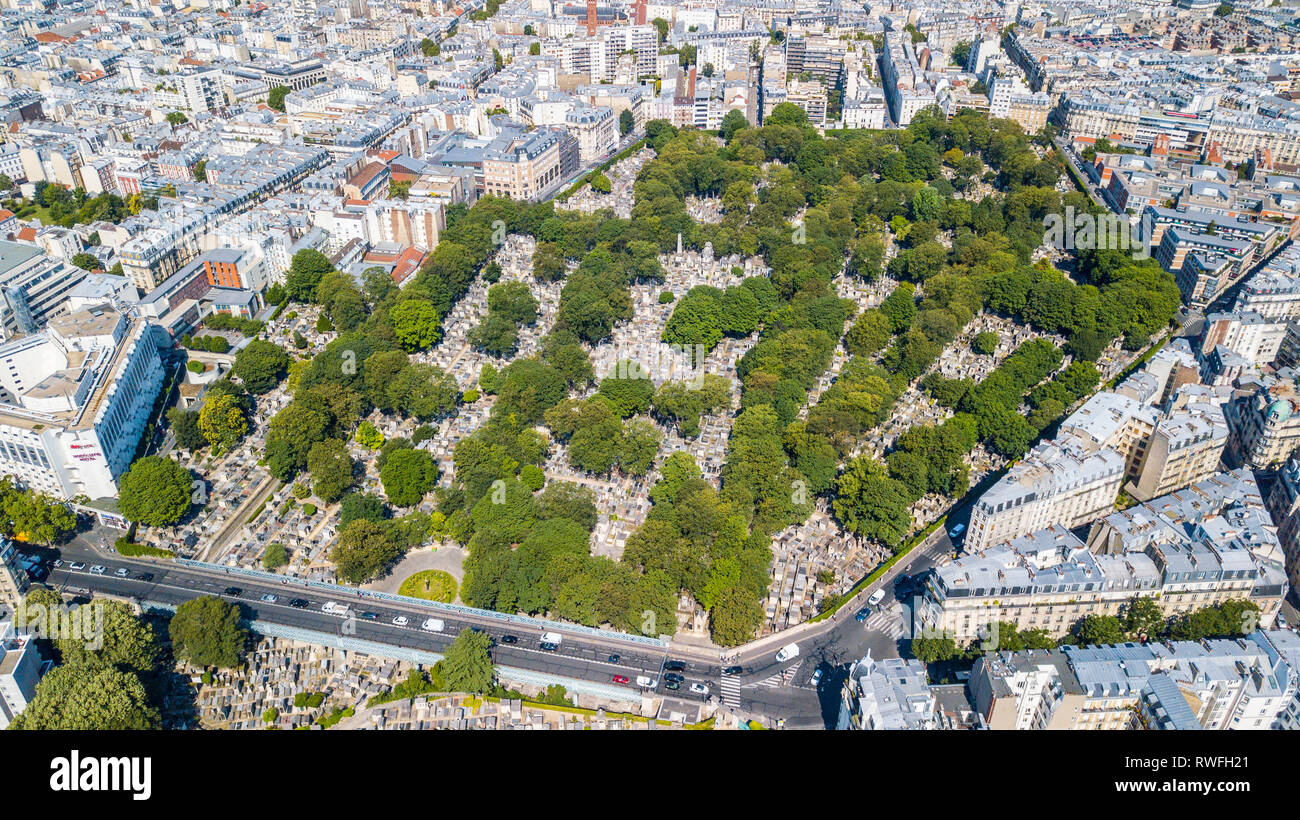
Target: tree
(38,518)
(733,121)
(201,171)
(306,270)
(407,475)
(185,425)
(205,631)
(534,49)
(934,648)
(734,618)
(416,324)
(289,438)
(275,556)
(222,422)
(364,550)
(429,48)
(424,392)
(1096,630)
(89,697)
(1143,618)
(86,261)
(331,469)
(625,122)
(177,118)
(156,492)
(870,503)
(466,665)
(275,98)
(985,343)
(362,506)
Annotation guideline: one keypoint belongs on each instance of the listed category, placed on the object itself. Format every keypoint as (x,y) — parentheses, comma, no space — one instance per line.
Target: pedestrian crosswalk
(888,621)
(729,691)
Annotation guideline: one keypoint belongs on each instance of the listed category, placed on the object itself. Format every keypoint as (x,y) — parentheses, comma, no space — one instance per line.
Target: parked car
(675,666)
(144,576)
(58,562)
(433,625)
(370,616)
(97,570)
(121,572)
(546,646)
(232,591)
(673,677)
(509,639)
(699,689)
(297,603)
(619,679)
(614,658)
(956,531)
(269,598)
(876,597)
(646,682)
(816,679)
(673,685)
(401,620)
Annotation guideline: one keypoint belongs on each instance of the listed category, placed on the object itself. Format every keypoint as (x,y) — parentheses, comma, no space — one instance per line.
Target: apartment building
(1198,547)
(1220,684)
(33,287)
(1264,423)
(889,694)
(20,670)
(74,401)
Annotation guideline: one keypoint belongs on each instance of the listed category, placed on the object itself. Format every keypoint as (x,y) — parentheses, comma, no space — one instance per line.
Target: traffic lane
(250,595)
(574,658)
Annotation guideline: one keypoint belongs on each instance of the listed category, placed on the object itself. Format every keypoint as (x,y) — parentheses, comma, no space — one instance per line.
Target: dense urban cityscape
(591,364)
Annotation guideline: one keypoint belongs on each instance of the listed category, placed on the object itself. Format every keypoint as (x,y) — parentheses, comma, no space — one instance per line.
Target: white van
(646,682)
(335,609)
(553,638)
(433,625)
(876,597)
(790,650)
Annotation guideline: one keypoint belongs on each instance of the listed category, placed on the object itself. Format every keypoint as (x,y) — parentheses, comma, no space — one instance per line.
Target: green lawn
(431,584)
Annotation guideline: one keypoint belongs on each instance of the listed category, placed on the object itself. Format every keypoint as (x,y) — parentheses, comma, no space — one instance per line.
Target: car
(401,620)
(675,666)
(370,616)
(232,591)
(58,562)
(903,580)
(298,603)
(672,684)
(37,573)
(97,570)
(699,689)
(144,576)
(546,646)
(734,670)
(619,679)
(956,531)
(673,677)
(269,598)
(433,625)
(510,639)
(863,614)
(76,565)
(646,682)
(876,598)
(614,658)
(816,679)
(121,572)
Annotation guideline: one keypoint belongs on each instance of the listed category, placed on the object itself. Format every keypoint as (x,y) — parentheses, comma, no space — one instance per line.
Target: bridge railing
(345,593)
